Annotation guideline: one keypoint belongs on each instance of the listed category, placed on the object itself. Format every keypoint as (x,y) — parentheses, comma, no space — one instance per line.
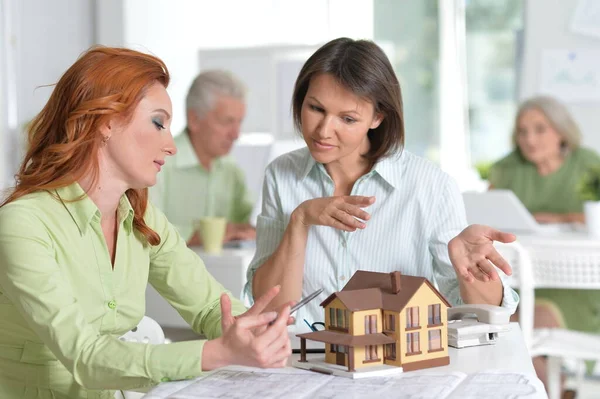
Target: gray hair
(210,84)
(559,117)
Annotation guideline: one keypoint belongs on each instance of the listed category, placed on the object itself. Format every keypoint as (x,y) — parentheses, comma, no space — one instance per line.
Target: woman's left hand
(472,251)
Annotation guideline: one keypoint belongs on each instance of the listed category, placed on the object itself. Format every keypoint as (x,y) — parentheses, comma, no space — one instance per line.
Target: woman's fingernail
(271,315)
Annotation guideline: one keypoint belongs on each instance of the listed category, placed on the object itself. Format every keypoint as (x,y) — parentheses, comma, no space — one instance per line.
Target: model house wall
(418,326)
(424,297)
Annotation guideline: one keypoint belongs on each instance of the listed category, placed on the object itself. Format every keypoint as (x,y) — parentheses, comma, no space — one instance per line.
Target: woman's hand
(341,212)
(248,339)
(472,251)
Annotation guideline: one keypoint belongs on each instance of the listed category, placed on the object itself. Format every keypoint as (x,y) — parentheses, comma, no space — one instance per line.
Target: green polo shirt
(555,193)
(186,191)
(63,306)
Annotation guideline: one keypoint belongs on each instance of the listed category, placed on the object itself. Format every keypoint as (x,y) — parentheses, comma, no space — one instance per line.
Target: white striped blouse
(418,210)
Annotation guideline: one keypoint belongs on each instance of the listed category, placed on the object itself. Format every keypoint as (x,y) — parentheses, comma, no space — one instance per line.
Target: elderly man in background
(201,181)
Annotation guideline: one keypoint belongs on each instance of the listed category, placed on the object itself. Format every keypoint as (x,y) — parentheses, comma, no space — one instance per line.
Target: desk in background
(567,260)
(229,268)
(561,260)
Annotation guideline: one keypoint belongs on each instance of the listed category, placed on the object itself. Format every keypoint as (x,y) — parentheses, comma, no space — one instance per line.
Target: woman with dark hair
(354,199)
(79,242)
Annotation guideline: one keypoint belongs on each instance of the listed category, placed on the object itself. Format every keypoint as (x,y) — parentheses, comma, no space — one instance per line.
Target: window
(390,322)
(434,316)
(390,351)
(435,340)
(339,318)
(412,317)
(412,343)
(371,324)
(410,30)
(338,349)
(494,31)
(371,352)
(477,51)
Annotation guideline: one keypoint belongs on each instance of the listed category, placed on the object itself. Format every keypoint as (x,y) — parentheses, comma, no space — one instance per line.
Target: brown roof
(373,290)
(336,338)
(368,298)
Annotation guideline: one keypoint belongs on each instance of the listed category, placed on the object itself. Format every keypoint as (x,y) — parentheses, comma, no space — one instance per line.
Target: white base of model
(320,366)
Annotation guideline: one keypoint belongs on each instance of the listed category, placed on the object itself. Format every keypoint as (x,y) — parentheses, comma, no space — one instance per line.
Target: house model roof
(387,291)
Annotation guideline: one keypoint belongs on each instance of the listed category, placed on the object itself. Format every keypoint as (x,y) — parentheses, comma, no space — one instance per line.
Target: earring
(105,139)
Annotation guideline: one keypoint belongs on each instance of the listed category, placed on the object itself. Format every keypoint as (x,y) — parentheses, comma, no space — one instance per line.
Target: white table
(509,354)
(566,260)
(229,268)
(561,260)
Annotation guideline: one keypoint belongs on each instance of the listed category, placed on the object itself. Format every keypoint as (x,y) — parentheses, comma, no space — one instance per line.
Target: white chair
(148,331)
(555,263)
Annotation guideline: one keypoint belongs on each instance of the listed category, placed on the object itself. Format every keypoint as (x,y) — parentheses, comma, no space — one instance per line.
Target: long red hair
(64,138)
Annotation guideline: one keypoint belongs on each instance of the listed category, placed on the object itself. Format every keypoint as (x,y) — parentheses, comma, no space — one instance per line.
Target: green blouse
(554,193)
(63,306)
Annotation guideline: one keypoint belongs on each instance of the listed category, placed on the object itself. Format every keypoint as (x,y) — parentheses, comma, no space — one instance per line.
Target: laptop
(502,210)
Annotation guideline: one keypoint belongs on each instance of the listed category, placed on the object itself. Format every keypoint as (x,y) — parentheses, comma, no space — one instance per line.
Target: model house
(381,318)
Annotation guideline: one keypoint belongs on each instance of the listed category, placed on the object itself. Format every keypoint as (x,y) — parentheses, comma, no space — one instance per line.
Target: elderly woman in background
(547,163)
(543,171)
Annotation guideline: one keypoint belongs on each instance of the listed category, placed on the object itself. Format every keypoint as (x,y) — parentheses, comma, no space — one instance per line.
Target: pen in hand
(303,302)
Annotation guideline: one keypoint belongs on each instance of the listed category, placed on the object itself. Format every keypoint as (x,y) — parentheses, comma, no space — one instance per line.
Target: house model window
(379,319)
(434,318)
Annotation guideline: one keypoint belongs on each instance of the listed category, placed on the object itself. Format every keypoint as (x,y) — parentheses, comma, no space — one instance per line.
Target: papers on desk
(241,382)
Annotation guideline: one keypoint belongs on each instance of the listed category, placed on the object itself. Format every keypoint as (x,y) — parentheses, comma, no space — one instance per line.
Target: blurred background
(463,65)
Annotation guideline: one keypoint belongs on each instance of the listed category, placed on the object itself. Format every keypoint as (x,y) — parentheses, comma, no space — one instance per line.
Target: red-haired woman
(79,242)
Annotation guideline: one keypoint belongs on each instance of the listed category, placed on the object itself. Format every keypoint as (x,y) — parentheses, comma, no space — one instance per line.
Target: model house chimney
(395,277)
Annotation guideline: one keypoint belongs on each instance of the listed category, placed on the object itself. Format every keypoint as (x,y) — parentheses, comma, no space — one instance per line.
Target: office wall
(4,94)
(177,31)
(48,36)
(547,27)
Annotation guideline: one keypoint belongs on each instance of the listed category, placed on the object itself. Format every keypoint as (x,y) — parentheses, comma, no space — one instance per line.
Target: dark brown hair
(363,68)
(64,138)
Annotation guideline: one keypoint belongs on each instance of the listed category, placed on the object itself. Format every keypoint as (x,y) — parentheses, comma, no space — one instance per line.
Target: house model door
(340,359)
(340,354)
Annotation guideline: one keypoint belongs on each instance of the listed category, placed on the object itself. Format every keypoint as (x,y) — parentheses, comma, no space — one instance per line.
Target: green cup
(212,232)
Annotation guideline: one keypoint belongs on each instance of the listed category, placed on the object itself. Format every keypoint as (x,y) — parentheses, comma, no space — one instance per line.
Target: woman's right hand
(248,339)
(341,212)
